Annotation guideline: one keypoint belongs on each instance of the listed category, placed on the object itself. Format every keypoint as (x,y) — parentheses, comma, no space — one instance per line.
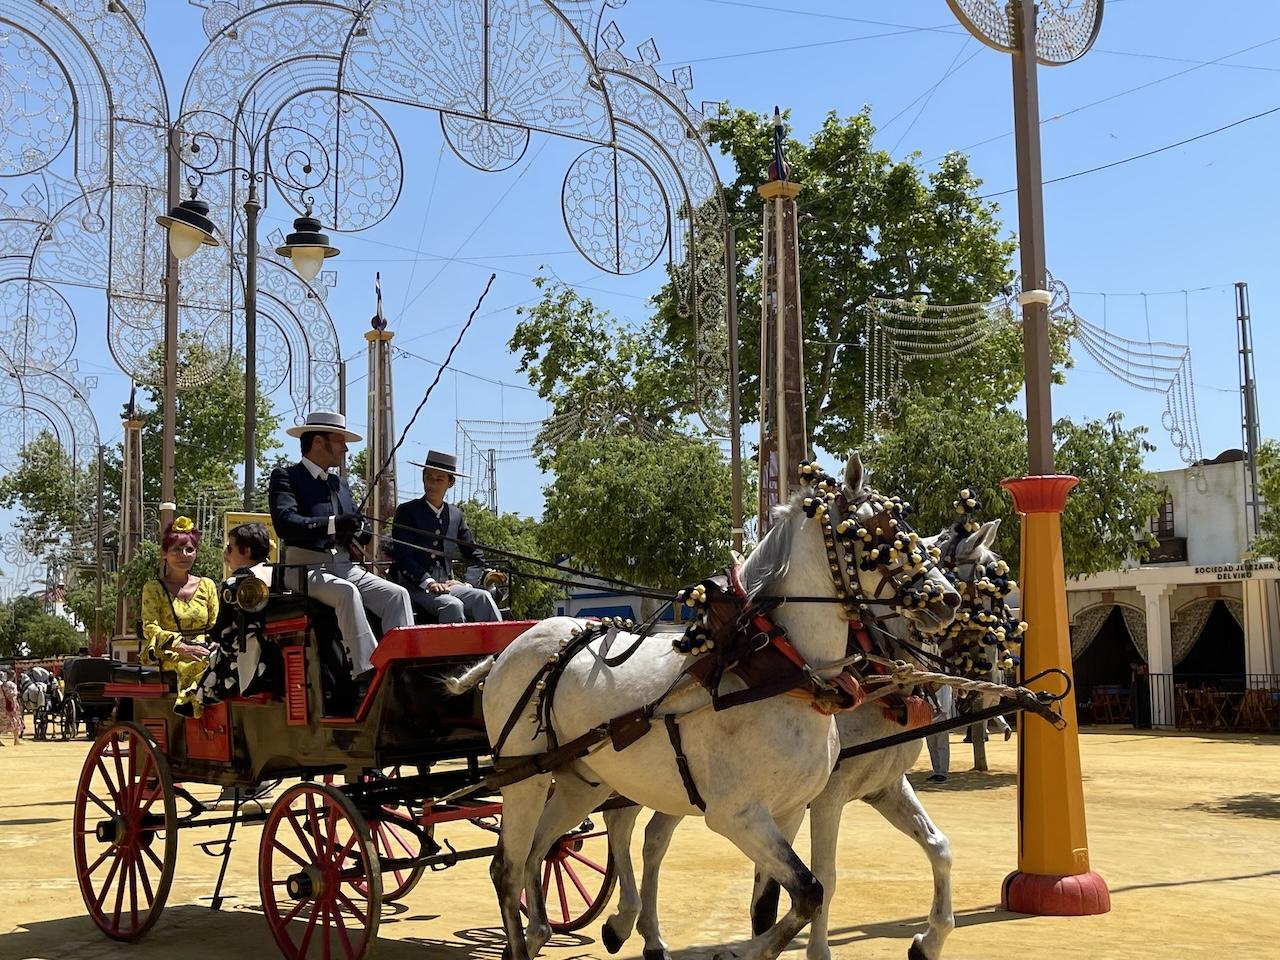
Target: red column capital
(1046,494)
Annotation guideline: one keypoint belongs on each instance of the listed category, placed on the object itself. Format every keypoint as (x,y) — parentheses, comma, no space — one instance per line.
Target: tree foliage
(652,512)
(1267,543)
(26,629)
(868,226)
(531,598)
(605,378)
(936,451)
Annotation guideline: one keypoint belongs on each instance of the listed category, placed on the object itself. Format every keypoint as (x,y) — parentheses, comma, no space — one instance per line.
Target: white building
(1196,610)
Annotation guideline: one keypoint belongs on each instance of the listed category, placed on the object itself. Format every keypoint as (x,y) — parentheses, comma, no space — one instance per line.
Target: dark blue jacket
(300,508)
(416,526)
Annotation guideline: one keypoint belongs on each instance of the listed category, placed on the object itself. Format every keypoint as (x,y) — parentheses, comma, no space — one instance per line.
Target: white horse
(33,688)
(878,778)
(755,767)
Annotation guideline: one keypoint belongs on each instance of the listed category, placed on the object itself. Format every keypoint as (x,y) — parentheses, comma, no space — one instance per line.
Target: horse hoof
(663,955)
(612,942)
(916,952)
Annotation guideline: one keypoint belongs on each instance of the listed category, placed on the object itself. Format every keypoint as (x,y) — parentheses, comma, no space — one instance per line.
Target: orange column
(1053,875)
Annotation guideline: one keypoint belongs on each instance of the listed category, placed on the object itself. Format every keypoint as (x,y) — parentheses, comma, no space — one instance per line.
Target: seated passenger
(178,610)
(316,519)
(427,535)
(239,663)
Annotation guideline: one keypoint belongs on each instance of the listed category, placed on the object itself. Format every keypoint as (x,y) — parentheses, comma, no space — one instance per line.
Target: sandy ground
(1185,829)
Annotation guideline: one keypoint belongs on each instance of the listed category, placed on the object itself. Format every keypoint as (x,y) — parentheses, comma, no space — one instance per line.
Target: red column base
(1076,895)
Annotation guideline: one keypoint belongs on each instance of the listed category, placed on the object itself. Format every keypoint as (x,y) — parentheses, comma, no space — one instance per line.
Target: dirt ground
(1185,829)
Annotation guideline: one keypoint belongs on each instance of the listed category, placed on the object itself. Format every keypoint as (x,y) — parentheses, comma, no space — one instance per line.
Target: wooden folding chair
(1252,714)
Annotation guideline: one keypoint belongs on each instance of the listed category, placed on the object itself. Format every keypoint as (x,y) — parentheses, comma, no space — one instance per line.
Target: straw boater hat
(323,421)
(445,462)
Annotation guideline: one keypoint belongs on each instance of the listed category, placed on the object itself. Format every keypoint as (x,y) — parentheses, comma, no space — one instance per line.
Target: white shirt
(320,473)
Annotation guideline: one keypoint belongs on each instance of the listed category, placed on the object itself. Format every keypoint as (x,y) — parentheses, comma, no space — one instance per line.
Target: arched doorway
(1104,654)
(1216,655)
(1106,665)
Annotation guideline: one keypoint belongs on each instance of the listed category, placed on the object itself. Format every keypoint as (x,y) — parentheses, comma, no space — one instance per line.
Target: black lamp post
(307,247)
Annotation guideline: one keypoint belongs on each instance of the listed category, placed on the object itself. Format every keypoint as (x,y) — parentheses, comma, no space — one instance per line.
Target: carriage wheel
(40,724)
(577,878)
(318,875)
(70,719)
(124,802)
(395,838)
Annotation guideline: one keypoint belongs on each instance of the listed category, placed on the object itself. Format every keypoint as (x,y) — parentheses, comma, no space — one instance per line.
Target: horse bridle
(887,542)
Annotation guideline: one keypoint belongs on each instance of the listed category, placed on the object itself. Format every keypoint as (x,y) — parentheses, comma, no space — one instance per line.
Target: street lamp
(190,227)
(1053,875)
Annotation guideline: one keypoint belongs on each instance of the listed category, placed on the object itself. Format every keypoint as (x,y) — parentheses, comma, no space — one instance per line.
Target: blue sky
(1195,218)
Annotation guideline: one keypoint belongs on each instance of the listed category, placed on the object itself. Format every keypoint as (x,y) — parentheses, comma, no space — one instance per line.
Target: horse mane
(770,560)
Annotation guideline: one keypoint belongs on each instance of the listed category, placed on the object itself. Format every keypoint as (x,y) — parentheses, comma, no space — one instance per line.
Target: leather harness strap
(682,763)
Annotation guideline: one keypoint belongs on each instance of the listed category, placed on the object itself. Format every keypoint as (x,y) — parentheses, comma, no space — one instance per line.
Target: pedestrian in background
(940,743)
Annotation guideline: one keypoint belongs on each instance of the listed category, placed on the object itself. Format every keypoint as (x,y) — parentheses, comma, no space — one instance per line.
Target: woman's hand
(191,651)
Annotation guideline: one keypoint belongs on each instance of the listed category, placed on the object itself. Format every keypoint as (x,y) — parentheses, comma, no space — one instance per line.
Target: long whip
(391,457)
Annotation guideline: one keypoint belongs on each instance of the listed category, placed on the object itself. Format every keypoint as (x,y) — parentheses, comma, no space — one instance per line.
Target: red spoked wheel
(318,875)
(395,836)
(125,832)
(577,878)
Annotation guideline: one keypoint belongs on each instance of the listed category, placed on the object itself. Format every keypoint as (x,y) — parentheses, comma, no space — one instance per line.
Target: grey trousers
(940,743)
(347,587)
(462,603)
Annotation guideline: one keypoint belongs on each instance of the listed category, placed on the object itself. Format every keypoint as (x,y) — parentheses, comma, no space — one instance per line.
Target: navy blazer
(420,550)
(301,508)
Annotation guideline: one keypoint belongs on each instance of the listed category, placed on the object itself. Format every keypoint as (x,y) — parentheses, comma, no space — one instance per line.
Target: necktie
(334,482)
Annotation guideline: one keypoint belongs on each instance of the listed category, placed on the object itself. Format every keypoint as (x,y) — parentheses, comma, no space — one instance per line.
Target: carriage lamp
(307,246)
(189,227)
(247,593)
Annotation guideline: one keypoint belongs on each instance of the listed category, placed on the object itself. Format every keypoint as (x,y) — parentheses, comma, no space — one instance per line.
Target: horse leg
(620,824)
(900,806)
(754,831)
(523,804)
(765,893)
(824,834)
(571,801)
(657,839)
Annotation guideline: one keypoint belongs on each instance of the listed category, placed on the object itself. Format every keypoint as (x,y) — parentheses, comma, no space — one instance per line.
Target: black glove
(346,525)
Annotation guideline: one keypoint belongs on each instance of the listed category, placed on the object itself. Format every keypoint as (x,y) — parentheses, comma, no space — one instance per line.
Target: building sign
(1237,571)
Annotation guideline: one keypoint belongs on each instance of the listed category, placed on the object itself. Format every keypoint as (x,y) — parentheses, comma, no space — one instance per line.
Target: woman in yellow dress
(178,609)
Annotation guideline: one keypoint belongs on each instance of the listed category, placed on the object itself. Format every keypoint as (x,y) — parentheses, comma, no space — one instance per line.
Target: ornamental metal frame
(100,101)
(497,71)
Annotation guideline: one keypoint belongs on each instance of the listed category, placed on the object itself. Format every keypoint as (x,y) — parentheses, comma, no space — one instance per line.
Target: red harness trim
(777,636)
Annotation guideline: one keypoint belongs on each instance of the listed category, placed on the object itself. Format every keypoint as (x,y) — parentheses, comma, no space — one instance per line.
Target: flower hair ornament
(182,525)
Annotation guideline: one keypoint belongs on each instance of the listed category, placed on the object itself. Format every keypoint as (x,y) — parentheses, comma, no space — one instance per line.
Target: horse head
(844,540)
(983,638)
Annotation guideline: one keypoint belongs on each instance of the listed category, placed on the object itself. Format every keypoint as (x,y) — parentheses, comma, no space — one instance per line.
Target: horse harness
(734,633)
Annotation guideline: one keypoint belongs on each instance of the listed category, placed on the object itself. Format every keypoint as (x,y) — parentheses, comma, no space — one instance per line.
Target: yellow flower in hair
(182,525)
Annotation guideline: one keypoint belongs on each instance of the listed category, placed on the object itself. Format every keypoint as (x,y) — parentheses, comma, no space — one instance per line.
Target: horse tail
(465,679)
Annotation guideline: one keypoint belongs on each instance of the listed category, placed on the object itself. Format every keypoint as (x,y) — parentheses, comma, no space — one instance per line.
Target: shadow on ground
(196,933)
(966,780)
(1264,806)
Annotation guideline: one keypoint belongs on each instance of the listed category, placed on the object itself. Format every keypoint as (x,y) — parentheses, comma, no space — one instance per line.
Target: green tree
(936,451)
(48,636)
(869,226)
(53,497)
(531,598)
(601,378)
(1267,543)
(82,602)
(208,454)
(652,512)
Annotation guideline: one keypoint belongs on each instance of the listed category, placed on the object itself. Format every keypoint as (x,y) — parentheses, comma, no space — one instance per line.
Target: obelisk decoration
(382,423)
(784,440)
(130,503)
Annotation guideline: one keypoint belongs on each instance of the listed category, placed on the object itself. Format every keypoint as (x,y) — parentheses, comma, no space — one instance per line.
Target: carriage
(372,773)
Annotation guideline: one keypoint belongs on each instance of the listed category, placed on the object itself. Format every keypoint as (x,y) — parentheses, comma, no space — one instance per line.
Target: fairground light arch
(497,72)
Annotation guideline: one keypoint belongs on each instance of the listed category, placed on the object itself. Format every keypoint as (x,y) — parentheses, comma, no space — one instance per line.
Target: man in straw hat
(429,535)
(316,519)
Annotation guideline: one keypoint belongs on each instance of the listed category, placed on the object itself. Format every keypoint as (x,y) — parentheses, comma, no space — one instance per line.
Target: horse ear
(854,475)
(988,531)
